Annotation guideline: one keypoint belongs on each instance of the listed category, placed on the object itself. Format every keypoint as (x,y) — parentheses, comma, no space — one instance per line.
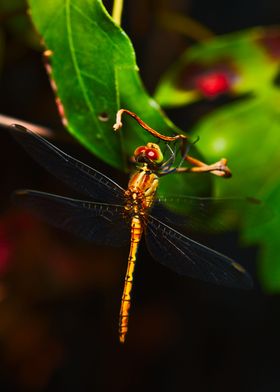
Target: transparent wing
(207,214)
(98,222)
(76,174)
(187,257)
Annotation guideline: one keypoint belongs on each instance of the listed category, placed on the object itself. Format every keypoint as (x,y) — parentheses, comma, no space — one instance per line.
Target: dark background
(60,297)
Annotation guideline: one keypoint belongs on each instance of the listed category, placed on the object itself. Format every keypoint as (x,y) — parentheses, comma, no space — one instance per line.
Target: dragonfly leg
(218,168)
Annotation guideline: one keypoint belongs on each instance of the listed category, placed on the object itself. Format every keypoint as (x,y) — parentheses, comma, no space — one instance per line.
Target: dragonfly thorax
(141,192)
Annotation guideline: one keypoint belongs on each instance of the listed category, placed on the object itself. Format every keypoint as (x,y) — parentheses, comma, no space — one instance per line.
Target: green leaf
(269,266)
(85,58)
(93,66)
(247,133)
(237,63)
(268,237)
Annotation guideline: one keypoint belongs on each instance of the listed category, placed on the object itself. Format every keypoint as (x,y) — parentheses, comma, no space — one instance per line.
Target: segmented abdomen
(136,233)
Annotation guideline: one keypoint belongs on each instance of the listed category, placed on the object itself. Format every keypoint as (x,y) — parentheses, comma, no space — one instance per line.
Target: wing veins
(73,172)
(206,264)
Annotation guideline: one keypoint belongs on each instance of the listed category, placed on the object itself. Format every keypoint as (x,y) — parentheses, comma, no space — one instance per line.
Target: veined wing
(187,257)
(207,214)
(76,174)
(98,222)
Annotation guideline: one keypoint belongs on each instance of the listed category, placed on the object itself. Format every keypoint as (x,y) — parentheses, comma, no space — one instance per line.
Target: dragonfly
(113,216)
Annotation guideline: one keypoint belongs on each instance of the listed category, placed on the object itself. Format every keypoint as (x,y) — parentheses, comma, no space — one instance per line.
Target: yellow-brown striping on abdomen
(136,233)
(140,196)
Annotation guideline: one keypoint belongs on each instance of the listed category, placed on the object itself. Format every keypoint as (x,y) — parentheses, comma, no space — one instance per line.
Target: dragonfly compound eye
(140,151)
(152,154)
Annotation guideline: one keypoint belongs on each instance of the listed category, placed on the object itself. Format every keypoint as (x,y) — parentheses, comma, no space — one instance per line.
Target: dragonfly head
(150,154)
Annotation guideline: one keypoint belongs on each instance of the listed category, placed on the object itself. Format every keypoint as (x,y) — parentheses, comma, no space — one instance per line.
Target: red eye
(140,150)
(152,154)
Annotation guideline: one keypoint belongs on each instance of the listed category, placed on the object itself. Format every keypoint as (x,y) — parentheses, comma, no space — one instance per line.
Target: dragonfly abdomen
(139,199)
(136,234)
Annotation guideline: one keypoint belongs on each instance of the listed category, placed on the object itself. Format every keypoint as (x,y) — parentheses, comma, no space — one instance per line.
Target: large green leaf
(95,72)
(267,236)
(247,133)
(94,68)
(237,63)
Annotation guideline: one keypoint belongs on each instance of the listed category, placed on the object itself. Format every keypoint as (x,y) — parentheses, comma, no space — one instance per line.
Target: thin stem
(152,131)
(218,168)
(185,25)
(117,11)
(6,122)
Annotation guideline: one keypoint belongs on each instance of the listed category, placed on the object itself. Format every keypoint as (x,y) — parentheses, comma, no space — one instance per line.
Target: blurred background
(60,296)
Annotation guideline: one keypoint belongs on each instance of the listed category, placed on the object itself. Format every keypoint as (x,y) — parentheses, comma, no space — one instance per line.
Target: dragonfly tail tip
(122,338)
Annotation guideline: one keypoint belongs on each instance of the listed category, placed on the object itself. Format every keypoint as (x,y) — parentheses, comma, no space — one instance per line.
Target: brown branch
(152,131)
(6,122)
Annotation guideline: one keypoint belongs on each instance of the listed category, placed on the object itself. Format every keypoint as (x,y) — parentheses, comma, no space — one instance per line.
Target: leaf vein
(77,69)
